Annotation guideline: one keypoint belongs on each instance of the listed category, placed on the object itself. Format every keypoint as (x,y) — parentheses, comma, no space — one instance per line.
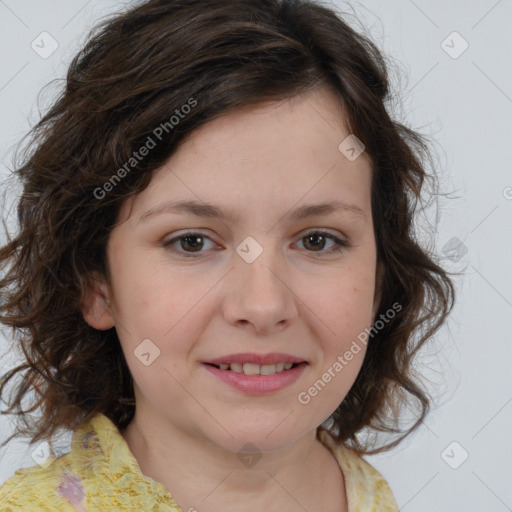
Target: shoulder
(34,488)
(99,471)
(57,483)
(366,488)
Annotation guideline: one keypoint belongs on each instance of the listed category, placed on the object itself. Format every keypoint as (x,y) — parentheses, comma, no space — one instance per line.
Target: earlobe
(96,306)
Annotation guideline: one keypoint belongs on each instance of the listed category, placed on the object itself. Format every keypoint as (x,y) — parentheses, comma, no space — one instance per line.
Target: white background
(465,104)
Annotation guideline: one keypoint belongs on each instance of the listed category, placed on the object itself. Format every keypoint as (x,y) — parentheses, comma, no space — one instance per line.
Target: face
(257,287)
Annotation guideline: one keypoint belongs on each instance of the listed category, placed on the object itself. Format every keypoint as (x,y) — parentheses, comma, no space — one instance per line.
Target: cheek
(353,313)
(151,297)
(167,308)
(342,302)
(346,316)
(160,333)
(343,308)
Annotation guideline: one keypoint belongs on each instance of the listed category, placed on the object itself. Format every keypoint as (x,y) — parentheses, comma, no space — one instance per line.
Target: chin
(267,436)
(255,443)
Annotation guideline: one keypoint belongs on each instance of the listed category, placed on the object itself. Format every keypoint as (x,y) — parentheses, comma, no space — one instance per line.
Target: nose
(258,295)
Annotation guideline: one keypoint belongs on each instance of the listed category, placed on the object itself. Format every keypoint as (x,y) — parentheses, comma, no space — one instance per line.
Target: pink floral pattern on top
(72,489)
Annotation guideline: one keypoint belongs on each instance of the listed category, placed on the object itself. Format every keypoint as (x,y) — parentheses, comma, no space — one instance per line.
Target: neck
(203,476)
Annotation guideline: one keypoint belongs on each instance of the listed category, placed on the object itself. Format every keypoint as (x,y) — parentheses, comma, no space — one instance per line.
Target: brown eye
(191,241)
(315,241)
(190,244)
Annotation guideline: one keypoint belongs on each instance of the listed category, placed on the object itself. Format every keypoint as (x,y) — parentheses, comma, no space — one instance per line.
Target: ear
(96,306)
(379,277)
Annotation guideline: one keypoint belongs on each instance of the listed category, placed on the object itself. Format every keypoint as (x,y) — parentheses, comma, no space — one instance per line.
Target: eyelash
(339,244)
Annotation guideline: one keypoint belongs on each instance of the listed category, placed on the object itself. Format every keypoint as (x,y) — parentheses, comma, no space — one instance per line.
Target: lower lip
(258,384)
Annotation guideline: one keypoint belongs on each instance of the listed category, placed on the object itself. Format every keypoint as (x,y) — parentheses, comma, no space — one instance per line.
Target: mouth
(256,364)
(256,369)
(257,373)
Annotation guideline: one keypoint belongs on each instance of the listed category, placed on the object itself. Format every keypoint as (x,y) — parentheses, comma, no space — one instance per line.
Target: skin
(259,162)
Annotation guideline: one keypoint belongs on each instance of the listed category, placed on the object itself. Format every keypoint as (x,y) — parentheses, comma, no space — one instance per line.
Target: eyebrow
(208,210)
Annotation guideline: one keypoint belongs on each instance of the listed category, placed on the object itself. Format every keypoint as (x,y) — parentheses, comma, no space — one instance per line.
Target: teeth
(251,369)
(267,369)
(237,367)
(256,369)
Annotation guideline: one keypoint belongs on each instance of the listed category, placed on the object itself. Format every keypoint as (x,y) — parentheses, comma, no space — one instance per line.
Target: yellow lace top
(101,474)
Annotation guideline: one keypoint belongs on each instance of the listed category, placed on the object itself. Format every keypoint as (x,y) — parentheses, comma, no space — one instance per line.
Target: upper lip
(260,359)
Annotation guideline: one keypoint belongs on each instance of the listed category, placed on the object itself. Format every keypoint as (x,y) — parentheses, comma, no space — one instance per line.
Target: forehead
(273,154)
(272,126)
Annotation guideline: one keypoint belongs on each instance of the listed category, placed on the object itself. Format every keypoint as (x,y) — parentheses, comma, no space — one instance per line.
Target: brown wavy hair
(136,69)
